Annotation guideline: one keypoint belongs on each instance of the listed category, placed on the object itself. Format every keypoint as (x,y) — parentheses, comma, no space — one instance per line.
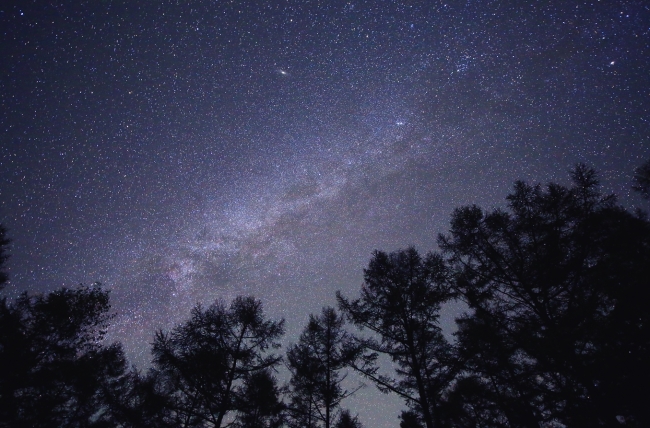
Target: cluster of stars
(182,153)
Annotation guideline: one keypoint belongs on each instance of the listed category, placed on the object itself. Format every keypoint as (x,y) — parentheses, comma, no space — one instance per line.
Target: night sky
(180,152)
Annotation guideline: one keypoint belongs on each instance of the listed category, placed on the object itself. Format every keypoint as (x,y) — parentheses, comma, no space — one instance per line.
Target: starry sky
(183,151)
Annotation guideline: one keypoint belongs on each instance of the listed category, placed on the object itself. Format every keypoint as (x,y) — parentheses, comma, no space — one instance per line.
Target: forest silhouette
(556,333)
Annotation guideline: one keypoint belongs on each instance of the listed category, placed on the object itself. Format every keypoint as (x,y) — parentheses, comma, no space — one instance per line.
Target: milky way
(184,153)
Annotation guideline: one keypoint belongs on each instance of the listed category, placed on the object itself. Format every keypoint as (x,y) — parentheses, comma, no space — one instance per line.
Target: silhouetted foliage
(144,403)
(54,371)
(202,365)
(410,419)
(4,254)
(259,403)
(642,179)
(315,362)
(302,410)
(471,403)
(346,420)
(400,302)
(557,333)
(558,328)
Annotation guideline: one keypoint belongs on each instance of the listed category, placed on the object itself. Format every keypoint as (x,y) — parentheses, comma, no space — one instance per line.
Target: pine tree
(400,302)
(346,420)
(203,364)
(54,369)
(4,244)
(558,328)
(316,362)
(642,179)
(259,404)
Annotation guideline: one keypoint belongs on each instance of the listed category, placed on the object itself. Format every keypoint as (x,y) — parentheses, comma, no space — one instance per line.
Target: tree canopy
(206,364)
(556,284)
(556,333)
(316,362)
(4,254)
(642,179)
(400,304)
(54,368)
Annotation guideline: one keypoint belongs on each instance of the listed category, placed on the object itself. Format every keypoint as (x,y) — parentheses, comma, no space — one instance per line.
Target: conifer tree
(316,363)
(558,329)
(202,366)
(400,303)
(54,368)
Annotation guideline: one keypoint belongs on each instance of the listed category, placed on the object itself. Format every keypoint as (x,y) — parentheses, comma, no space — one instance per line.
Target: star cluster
(180,152)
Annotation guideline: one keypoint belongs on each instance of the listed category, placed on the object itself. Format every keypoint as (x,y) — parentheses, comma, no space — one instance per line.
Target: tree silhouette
(259,402)
(4,244)
(54,371)
(202,365)
(642,179)
(400,302)
(315,362)
(557,333)
(557,287)
(144,402)
(346,420)
(303,409)
(409,419)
